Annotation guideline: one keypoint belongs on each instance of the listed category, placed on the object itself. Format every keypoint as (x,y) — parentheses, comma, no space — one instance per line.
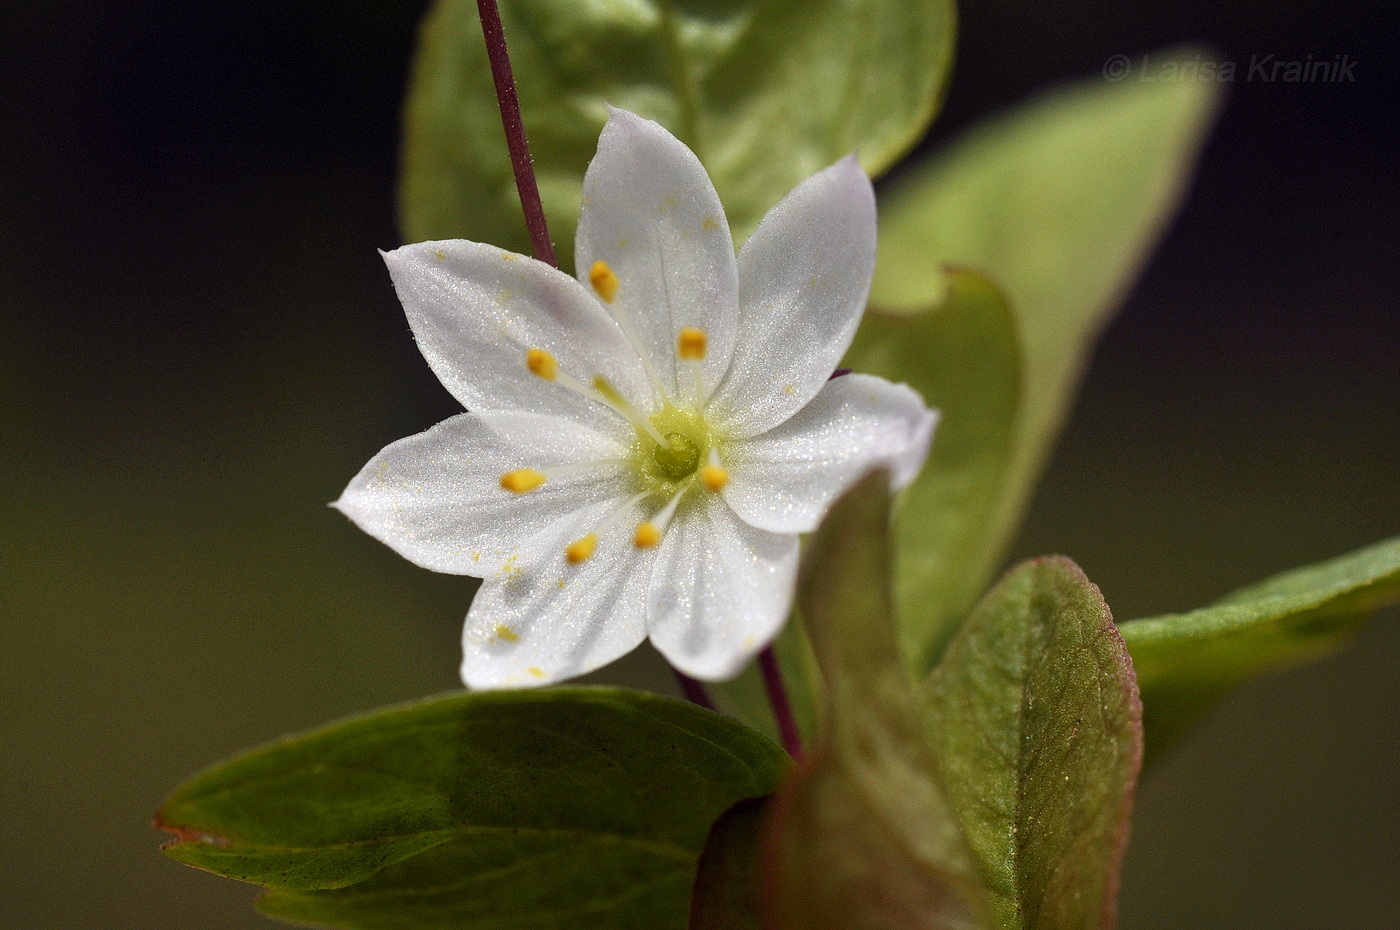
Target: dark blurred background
(200,347)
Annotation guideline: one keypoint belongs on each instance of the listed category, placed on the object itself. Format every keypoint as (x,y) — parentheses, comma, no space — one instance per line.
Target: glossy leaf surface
(766,93)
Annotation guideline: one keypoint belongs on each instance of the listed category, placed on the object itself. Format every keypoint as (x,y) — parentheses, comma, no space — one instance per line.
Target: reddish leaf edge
(1127,680)
(181,835)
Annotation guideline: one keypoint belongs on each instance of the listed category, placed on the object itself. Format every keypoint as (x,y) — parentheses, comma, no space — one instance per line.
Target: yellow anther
(690,344)
(522,480)
(541,363)
(714,476)
(609,393)
(581,549)
(647,535)
(536,671)
(603,280)
(506,633)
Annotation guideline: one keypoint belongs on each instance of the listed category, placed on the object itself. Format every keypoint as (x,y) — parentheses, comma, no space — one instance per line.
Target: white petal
(784,479)
(476,311)
(541,619)
(437,500)
(720,590)
(651,213)
(803,281)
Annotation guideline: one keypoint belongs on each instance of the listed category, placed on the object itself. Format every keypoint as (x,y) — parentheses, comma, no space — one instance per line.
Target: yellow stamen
(522,480)
(604,387)
(542,364)
(603,280)
(690,344)
(647,535)
(581,549)
(601,390)
(714,476)
(506,633)
(609,394)
(606,283)
(649,532)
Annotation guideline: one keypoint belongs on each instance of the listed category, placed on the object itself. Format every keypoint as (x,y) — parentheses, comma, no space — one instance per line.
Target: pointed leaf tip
(568,807)
(1186,662)
(1037,726)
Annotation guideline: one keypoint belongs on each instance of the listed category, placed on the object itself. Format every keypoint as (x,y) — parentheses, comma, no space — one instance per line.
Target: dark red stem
(778,700)
(515,131)
(694,692)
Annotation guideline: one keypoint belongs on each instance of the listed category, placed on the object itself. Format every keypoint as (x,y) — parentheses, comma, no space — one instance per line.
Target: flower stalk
(514,126)
(778,700)
(693,690)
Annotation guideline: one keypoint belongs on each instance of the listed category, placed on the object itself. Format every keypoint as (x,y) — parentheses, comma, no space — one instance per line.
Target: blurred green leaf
(1059,203)
(746,698)
(964,358)
(539,809)
(726,882)
(1185,662)
(861,837)
(766,92)
(1037,727)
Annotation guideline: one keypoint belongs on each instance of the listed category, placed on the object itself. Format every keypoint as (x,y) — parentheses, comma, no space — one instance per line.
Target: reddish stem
(694,692)
(778,700)
(515,131)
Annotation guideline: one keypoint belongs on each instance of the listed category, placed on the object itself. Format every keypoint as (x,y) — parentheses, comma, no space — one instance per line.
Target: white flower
(643,445)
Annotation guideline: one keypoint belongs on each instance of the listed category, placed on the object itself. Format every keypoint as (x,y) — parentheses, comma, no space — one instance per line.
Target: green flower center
(666,467)
(677,462)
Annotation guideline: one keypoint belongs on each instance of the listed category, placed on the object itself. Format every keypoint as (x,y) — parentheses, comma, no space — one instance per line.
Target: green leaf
(861,837)
(1036,722)
(1059,203)
(531,809)
(766,93)
(965,359)
(1185,662)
